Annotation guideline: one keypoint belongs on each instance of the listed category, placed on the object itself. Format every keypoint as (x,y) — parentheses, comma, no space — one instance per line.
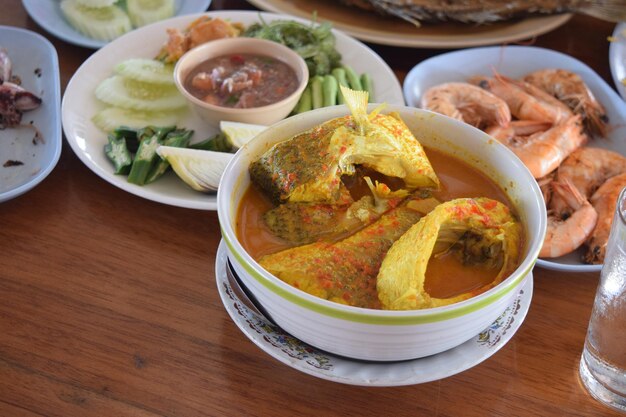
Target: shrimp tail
(565,236)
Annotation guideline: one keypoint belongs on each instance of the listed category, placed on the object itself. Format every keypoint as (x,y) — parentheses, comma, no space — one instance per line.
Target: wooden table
(109,305)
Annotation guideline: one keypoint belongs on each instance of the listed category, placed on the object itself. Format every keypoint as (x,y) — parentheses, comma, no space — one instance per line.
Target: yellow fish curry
(358,212)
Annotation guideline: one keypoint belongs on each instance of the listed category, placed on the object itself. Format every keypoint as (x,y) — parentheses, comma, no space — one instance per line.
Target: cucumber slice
(147,70)
(137,95)
(113,117)
(96,3)
(103,23)
(143,12)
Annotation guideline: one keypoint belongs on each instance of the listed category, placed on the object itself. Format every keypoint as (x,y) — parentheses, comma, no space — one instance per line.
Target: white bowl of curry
(416,259)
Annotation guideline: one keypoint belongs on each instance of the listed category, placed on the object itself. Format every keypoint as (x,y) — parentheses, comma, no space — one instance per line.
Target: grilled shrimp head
(478,230)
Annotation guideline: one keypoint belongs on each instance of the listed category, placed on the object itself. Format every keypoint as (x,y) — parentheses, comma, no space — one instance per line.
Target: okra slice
(145,158)
(118,153)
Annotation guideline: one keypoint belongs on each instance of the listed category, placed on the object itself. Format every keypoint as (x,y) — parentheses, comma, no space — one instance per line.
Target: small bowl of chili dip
(241,79)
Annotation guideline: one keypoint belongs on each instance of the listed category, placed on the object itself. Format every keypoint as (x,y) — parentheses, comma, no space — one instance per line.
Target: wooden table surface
(109,305)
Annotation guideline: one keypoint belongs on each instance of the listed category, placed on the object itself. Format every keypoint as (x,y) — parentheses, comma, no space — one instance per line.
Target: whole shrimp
(587,168)
(565,236)
(516,129)
(468,103)
(604,201)
(524,101)
(572,90)
(543,152)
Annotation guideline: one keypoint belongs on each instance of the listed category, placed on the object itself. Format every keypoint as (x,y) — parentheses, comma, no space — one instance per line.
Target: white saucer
(305,358)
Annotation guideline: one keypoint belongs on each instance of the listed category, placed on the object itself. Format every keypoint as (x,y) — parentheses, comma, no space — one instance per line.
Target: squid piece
(481,230)
(309,166)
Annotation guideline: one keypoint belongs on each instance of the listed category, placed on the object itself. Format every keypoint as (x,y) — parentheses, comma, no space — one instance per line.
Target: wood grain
(109,305)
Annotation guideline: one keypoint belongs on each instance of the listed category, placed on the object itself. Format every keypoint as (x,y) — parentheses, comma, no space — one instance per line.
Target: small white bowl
(265,115)
(381,335)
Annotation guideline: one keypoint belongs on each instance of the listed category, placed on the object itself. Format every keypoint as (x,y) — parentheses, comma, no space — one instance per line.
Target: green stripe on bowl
(366,318)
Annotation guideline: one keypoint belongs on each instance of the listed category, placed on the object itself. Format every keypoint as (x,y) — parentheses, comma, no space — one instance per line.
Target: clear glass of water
(603,362)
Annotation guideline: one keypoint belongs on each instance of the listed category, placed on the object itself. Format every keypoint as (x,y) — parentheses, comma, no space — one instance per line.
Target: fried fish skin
(344,271)
(488,11)
(302,165)
(309,166)
(484,230)
(302,223)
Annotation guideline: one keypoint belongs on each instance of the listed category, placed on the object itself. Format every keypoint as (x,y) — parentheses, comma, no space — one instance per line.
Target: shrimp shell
(516,128)
(524,102)
(588,168)
(543,152)
(565,236)
(604,201)
(468,103)
(572,90)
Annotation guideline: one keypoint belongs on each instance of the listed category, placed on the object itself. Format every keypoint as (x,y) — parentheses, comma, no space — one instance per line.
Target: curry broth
(458,179)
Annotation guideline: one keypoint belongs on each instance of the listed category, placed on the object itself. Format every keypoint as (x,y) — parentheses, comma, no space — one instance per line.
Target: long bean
(305,102)
(330,89)
(353,78)
(368,85)
(340,75)
(317,95)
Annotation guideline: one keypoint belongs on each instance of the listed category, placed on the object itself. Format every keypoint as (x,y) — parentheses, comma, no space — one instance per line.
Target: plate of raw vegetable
(94,23)
(124,93)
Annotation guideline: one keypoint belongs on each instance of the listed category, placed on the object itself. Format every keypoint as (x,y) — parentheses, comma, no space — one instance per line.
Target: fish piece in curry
(479,230)
(309,166)
(344,271)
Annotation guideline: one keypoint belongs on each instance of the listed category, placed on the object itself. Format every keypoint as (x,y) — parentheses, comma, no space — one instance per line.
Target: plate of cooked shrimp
(561,119)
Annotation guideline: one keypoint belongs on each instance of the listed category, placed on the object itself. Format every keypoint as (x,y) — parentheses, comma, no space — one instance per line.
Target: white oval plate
(80,104)
(30,53)
(617,58)
(371,27)
(48,15)
(515,62)
(305,358)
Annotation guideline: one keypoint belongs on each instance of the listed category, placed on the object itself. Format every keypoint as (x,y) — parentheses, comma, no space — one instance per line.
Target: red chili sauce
(242,81)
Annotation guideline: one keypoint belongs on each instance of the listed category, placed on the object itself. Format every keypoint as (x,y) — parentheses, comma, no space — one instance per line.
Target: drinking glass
(603,362)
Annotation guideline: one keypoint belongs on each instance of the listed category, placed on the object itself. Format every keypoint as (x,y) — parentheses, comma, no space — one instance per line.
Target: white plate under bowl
(48,15)
(35,61)
(617,58)
(80,104)
(305,358)
(515,62)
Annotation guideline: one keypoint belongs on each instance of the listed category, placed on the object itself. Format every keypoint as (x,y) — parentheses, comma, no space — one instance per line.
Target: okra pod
(118,153)
(353,79)
(340,75)
(159,131)
(178,138)
(329,88)
(317,95)
(305,102)
(368,85)
(145,159)
(217,143)
(130,134)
